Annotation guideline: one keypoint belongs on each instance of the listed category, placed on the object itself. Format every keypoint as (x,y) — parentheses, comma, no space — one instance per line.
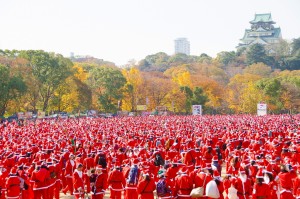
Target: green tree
(255,54)
(296,47)
(11,87)
(199,97)
(188,97)
(108,82)
(51,70)
(225,57)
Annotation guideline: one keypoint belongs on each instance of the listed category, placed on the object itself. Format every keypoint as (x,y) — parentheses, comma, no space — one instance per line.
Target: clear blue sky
(121,30)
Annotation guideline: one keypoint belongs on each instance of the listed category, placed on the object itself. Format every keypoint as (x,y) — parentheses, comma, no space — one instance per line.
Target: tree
(255,54)
(225,57)
(249,97)
(260,69)
(196,97)
(296,47)
(11,87)
(271,88)
(236,86)
(188,97)
(199,97)
(50,70)
(107,82)
(132,89)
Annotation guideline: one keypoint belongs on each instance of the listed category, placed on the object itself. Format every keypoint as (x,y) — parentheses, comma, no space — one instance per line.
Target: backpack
(102,162)
(159,161)
(161,188)
(212,190)
(133,175)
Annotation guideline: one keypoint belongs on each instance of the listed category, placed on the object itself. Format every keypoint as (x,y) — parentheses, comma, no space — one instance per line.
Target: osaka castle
(262,31)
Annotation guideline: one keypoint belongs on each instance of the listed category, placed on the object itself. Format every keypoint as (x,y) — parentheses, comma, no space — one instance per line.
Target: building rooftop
(266,17)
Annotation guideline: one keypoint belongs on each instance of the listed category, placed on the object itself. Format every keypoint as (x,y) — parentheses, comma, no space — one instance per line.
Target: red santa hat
(184,169)
(13,170)
(269,169)
(216,174)
(242,170)
(229,172)
(207,166)
(215,158)
(135,161)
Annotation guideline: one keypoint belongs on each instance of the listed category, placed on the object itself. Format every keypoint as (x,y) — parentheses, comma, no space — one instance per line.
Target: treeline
(232,82)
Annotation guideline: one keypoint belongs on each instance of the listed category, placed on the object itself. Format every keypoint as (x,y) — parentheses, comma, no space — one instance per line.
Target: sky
(122,30)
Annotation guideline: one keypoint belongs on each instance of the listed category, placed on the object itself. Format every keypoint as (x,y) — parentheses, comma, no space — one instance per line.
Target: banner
(261,109)
(141,107)
(41,114)
(197,109)
(92,113)
(20,115)
(28,115)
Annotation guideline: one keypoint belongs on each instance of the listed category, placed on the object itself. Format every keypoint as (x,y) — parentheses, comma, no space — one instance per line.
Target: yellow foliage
(80,73)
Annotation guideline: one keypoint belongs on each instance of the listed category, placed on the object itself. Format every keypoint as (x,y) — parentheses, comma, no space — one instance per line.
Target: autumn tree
(132,88)
(260,69)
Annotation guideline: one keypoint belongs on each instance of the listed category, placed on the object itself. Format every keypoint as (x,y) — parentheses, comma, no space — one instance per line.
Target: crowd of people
(227,157)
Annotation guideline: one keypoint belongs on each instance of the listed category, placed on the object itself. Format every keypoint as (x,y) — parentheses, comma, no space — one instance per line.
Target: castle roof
(266,17)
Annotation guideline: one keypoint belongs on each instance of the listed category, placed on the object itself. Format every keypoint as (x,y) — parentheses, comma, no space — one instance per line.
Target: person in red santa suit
(203,177)
(39,178)
(286,177)
(296,190)
(243,185)
(69,170)
(116,182)
(217,178)
(99,184)
(52,179)
(146,187)
(78,182)
(132,177)
(269,180)
(183,184)
(3,175)
(260,189)
(13,185)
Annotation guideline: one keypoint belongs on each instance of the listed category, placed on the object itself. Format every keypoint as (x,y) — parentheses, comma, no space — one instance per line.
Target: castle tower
(262,31)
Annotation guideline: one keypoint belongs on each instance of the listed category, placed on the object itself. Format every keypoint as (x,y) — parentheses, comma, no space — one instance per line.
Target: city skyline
(119,31)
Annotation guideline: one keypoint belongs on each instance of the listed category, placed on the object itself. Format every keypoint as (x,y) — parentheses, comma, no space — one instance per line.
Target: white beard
(267,179)
(243,178)
(72,162)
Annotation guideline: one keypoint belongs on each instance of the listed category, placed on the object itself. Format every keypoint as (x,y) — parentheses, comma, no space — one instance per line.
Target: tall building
(182,45)
(262,31)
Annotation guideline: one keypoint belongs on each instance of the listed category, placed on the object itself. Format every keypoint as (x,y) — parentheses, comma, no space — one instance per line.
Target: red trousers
(69,186)
(38,194)
(115,194)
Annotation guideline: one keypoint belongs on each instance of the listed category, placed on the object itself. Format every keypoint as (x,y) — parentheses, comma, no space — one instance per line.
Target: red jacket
(70,169)
(145,189)
(100,184)
(116,180)
(78,182)
(183,186)
(13,187)
(39,178)
(244,189)
(261,190)
(285,180)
